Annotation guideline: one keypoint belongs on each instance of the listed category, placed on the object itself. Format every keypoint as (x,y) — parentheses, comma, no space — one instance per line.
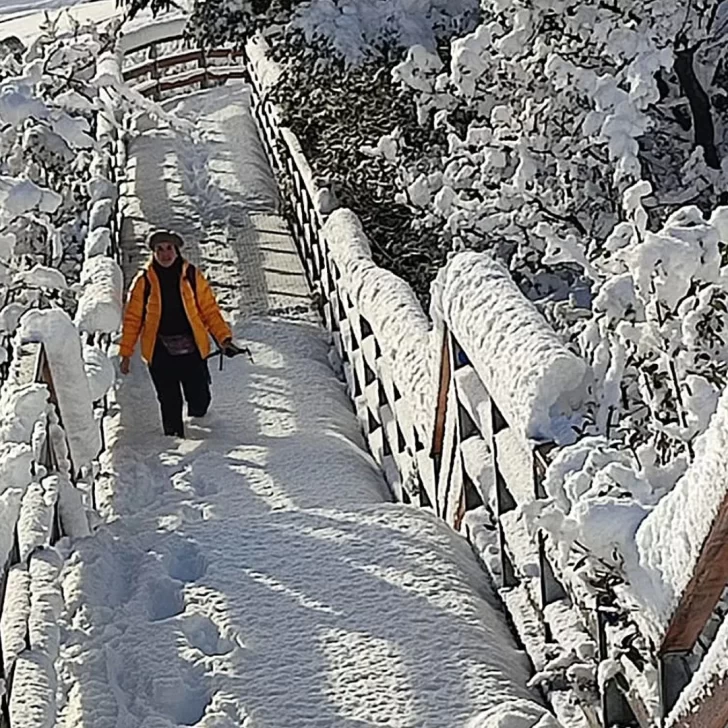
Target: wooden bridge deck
(215,188)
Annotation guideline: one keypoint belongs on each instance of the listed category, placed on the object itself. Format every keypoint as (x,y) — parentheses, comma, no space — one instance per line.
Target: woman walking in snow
(172,307)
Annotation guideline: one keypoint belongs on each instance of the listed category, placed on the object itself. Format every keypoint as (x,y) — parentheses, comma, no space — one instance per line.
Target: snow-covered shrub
(49,175)
(558,162)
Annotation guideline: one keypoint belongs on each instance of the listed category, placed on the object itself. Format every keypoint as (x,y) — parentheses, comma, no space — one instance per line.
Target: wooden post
(438,437)
(202,65)
(155,71)
(674,676)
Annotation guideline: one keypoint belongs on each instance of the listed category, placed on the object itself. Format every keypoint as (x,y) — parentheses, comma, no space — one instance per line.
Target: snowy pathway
(254,574)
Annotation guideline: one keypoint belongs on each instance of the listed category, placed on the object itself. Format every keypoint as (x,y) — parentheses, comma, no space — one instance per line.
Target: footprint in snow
(203,634)
(183,697)
(185,562)
(165,600)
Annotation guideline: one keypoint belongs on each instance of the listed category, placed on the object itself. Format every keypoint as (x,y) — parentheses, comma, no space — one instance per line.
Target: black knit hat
(164,236)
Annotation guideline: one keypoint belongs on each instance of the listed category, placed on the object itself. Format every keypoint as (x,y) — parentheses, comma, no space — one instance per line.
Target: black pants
(169,373)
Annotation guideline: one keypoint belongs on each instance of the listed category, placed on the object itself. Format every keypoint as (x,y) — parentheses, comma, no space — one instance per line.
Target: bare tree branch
(704,129)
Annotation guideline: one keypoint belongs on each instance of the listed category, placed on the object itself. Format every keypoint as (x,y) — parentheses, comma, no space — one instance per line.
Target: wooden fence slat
(438,437)
(703,590)
(712,711)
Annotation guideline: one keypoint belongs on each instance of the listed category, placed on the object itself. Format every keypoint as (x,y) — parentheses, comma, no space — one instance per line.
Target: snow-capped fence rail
(370,312)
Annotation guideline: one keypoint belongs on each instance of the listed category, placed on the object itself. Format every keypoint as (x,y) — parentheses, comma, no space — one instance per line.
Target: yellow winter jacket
(201,308)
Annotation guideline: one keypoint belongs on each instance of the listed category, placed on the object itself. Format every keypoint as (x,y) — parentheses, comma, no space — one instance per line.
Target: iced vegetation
(55,165)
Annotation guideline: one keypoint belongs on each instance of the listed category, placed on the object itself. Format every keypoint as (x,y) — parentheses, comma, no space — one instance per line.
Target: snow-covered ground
(255,573)
(23,18)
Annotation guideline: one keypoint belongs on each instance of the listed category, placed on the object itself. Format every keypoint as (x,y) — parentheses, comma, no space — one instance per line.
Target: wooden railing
(158,83)
(441,479)
(56,530)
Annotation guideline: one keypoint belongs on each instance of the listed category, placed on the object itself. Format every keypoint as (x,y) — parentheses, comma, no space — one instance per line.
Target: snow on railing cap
(537,383)
(393,311)
(54,329)
(157,31)
(685,516)
(267,70)
(710,675)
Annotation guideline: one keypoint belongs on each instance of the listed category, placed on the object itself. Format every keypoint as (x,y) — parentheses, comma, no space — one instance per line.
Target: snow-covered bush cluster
(566,158)
(57,156)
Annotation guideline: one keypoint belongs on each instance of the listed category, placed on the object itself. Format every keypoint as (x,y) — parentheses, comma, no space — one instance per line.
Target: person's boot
(173,430)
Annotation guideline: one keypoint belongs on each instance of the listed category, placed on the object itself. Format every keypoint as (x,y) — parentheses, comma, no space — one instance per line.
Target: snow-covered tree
(52,171)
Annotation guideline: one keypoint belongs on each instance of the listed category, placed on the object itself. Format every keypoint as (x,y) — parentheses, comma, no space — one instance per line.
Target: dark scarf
(173,320)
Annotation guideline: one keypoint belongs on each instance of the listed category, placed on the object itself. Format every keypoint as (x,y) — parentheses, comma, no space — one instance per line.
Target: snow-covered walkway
(255,574)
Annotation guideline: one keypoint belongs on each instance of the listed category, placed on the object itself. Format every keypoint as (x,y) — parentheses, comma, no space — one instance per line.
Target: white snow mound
(536,381)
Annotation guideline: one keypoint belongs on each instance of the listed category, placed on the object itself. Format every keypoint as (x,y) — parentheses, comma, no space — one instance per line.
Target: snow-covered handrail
(147,36)
(384,339)
(681,587)
(536,380)
(39,504)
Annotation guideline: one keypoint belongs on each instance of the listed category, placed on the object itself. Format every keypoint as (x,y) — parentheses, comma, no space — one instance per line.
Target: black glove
(230,349)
